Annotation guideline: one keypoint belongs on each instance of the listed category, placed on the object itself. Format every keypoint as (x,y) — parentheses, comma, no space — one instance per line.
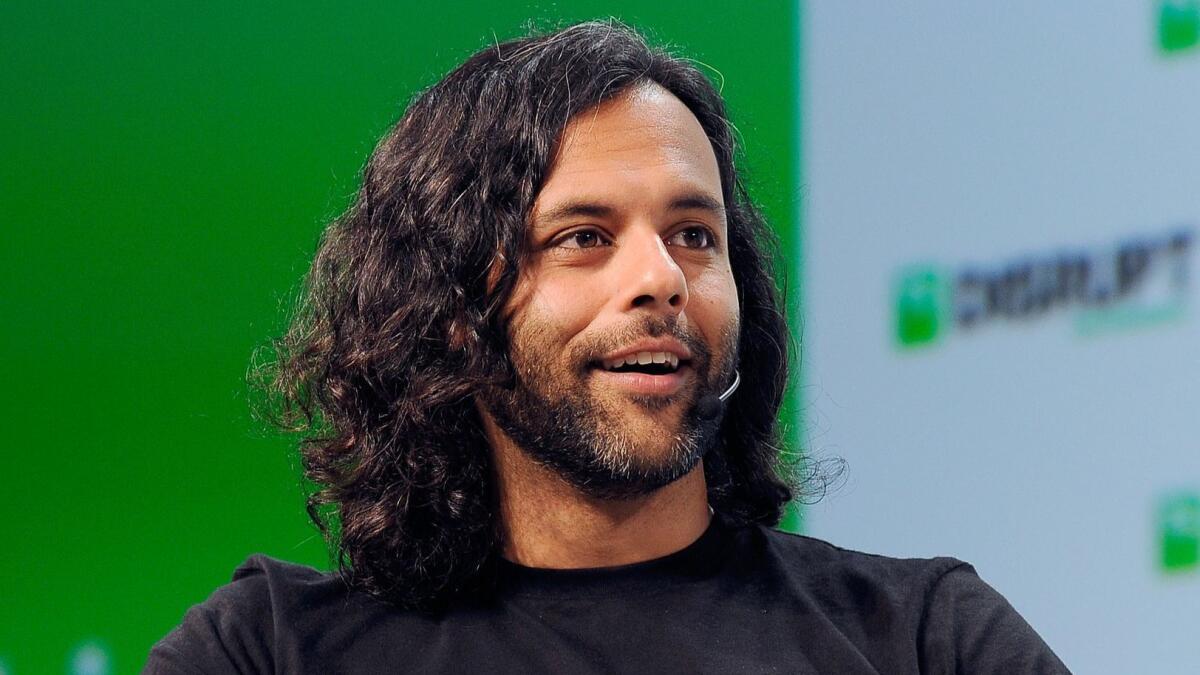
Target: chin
(651,429)
(643,480)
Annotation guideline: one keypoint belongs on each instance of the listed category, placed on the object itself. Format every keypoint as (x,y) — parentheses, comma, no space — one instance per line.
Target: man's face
(626,312)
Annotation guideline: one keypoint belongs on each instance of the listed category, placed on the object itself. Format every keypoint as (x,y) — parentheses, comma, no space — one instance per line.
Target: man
(540,362)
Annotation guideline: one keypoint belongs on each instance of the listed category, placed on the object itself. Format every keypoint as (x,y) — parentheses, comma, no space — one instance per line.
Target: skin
(653,249)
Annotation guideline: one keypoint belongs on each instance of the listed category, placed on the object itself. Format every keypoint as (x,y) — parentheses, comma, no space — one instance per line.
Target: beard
(551,414)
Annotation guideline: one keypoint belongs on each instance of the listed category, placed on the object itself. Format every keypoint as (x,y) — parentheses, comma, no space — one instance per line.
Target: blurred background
(988,213)
(167,170)
(1000,331)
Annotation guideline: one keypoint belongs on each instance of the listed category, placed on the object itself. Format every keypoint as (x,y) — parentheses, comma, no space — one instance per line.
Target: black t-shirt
(738,600)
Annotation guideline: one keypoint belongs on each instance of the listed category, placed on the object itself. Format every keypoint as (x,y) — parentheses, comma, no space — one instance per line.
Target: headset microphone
(710,406)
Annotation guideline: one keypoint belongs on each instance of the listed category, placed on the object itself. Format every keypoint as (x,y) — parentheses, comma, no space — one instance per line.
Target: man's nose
(650,277)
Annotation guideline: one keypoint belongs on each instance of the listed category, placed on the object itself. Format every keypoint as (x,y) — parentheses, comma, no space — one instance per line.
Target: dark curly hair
(400,323)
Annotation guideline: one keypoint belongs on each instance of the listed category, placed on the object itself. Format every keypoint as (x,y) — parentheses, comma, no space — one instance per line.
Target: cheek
(553,313)
(713,305)
(566,307)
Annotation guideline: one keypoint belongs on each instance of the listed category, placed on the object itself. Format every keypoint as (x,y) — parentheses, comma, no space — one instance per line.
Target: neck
(548,523)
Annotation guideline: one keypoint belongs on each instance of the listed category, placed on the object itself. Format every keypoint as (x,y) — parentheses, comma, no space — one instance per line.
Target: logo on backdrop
(1178,25)
(1137,282)
(1179,532)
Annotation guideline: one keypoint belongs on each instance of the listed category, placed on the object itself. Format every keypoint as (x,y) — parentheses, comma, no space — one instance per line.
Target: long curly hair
(400,321)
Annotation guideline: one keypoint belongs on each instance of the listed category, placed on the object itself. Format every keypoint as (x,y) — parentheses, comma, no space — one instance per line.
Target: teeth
(643,358)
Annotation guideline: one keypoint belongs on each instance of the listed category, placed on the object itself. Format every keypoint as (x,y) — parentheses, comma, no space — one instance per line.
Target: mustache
(591,350)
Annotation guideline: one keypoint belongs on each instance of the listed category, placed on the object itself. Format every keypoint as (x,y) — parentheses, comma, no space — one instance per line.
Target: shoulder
(966,621)
(823,563)
(952,619)
(235,628)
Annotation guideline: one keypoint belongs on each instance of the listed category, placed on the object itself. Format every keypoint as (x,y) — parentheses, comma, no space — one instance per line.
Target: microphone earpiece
(709,407)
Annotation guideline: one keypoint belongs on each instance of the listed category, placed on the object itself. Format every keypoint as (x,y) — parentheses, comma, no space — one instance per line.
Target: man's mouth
(649,363)
(644,373)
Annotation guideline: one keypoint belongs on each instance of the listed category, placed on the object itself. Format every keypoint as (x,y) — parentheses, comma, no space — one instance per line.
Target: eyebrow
(692,201)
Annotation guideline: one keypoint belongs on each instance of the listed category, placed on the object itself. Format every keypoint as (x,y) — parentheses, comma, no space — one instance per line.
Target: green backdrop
(166,172)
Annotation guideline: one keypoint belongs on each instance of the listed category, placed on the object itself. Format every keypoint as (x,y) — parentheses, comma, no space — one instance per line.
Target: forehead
(644,145)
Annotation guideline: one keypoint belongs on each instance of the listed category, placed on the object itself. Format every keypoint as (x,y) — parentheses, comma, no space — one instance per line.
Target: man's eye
(693,237)
(582,239)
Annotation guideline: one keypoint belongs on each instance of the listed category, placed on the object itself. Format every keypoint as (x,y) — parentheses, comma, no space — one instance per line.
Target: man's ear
(495,269)
(484,357)
(460,336)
